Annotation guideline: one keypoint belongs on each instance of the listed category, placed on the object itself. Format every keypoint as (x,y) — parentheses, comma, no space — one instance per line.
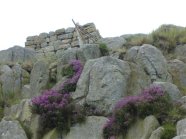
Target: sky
(22,18)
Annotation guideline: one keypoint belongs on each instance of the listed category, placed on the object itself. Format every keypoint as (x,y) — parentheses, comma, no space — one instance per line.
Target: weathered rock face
(180,52)
(26,91)
(19,111)
(53,134)
(22,112)
(142,129)
(171,89)
(11,130)
(151,60)
(114,42)
(39,77)
(138,79)
(91,129)
(16,54)
(181,129)
(156,134)
(183,102)
(180,137)
(178,71)
(86,52)
(11,79)
(96,83)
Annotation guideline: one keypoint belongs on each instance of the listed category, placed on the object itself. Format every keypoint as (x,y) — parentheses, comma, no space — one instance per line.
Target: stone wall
(59,39)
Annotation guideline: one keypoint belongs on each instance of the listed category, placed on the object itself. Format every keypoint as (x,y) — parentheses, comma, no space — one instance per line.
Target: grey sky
(22,18)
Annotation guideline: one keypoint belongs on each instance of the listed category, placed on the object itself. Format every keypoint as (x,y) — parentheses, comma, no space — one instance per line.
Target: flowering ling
(152,100)
(70,83)
(55,107)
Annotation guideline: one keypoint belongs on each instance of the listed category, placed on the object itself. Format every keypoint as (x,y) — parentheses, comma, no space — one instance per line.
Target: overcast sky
(22,18)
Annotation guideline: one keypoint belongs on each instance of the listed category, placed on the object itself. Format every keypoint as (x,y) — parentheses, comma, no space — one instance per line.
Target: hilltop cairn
(64,38)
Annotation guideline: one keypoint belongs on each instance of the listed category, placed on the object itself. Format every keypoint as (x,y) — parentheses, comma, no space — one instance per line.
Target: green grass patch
(166,37)
(67,71)
(169,131)
(103,49)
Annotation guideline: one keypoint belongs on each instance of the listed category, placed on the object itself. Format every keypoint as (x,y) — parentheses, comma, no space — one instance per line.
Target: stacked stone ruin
(60,39)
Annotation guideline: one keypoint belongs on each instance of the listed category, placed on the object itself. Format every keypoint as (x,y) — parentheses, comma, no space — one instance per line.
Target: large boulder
(91,129)
(183,102)
(103,82)
(171,89)
(39,77)
(53,134)
(114,42)
(180,52)
(177,69)
(181,129)
(11,79)
(16,54)
(138,79)
(86,52)
(142,129)
(151,60)
(20,111)
(11,130)
(156,134)
(26,91)
(180,137)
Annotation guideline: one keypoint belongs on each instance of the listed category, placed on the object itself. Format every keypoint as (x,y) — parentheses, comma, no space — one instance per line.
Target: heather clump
(70,84)
(56,108)
(53,108)
(151,101)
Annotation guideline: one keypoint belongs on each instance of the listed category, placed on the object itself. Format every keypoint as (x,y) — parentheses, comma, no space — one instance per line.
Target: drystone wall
(60,39)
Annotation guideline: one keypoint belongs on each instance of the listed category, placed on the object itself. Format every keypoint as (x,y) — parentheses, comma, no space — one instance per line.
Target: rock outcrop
(171,89)
(91,129)
(16,54)
(151,60)
(156,134)
(180,52)
(142,129)
(181,129)
(39,77)
(12,79)
(83,54)
(11,130)
(114,42)
(95,86)
(125,71)
(177,69)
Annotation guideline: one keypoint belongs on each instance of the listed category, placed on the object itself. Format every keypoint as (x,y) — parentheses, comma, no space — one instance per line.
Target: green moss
(67,71)
(104,49)
(169,131)
(50,85)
